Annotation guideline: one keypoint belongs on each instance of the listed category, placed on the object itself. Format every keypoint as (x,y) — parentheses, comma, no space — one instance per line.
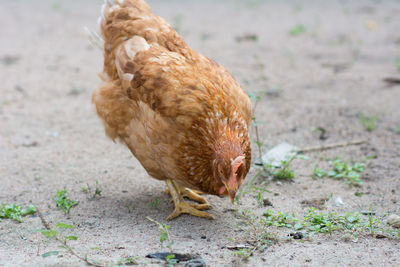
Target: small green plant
(329,222)
(297,30)
(63,201)
(280,220)
(398,129)
(259,237)
(170,260)
(349,172)
(59,236)
(127,261)
(164,233)
(284,172)
(88,190)
(372,222)
(15,212)
(369,122)
(318,173)
(155,203)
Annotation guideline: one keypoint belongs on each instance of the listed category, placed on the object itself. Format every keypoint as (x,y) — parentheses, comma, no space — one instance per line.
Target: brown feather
(176,110)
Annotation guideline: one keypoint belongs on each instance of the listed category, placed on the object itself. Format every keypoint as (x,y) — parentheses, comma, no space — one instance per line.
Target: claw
(181,207)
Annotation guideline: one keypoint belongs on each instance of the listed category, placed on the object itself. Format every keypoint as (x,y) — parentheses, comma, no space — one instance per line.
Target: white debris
(339,202)
(279,153)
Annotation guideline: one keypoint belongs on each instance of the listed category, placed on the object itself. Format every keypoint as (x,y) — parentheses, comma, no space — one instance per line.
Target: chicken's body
(180,113)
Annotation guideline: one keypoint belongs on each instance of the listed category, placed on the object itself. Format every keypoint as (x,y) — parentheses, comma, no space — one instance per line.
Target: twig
(44,222)
(64,242)
(330,146)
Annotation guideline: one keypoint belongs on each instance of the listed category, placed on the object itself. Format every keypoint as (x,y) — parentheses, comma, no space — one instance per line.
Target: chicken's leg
(182,207)
(189,193)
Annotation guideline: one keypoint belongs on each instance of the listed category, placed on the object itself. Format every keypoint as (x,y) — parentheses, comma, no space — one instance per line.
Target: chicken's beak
(232,187)
(232,194)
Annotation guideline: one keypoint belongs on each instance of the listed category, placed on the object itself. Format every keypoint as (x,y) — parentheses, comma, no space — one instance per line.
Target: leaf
(65,226)
(50,253)
(304,157)
(50,233)
(30,210)
(71,237)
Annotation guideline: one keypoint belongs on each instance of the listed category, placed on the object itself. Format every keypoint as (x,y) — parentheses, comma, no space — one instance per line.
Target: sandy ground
(50,137)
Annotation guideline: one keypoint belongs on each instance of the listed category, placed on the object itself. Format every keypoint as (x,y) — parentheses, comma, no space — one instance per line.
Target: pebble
(267,202)
(394,220)
(338,202)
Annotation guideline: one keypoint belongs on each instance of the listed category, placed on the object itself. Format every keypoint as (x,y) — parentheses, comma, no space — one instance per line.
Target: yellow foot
(181,207)
(188,193)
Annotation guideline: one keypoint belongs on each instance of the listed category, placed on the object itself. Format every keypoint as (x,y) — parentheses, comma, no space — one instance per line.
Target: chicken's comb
(236,163)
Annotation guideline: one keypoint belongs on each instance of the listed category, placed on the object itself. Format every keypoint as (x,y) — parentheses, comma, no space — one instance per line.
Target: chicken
(182,115)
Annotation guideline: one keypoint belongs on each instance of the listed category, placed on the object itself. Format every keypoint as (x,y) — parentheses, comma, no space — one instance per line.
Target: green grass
(297,30)
(63,201)
(15,212)
(155,203)
(92,194)
(369,122)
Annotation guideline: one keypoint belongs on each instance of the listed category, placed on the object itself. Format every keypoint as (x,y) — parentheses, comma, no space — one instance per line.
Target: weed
(372,222)
(297,30)
(88,190)
(280,220)
(63,201)
(57,235)
(318,173)
(155,203)
(369,122)
(398,129)
(170,260)
(259,239)
(15,212)
(350,172)
(283,172)
(164,233)
(127,261)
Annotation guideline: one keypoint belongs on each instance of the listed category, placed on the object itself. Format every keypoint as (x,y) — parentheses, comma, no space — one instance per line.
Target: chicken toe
(190,194)
(181,207)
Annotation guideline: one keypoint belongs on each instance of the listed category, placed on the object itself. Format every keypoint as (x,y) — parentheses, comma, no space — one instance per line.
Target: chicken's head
(231,173)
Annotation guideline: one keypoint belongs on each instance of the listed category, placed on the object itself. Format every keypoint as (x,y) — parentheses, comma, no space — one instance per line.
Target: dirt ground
(325,76)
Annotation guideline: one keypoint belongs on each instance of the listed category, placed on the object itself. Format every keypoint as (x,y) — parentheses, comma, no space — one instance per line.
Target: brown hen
(182,115)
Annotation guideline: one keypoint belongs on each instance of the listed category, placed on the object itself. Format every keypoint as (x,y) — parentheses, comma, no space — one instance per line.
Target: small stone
(203,237)
(267,202)
(380,236)
(297,235)
(338,202)
(394,220)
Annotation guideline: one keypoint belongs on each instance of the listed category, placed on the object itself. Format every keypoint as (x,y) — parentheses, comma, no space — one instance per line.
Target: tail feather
(121,20)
